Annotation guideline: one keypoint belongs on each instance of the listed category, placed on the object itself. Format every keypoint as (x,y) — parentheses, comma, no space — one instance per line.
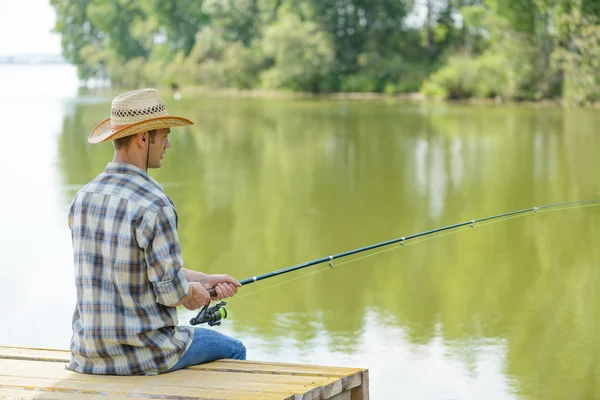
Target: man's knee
(239,351)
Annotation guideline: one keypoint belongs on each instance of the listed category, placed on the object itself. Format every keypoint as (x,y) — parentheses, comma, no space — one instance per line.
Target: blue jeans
(210,345)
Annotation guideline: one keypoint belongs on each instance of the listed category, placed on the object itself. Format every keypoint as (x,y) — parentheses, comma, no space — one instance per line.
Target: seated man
(129,270)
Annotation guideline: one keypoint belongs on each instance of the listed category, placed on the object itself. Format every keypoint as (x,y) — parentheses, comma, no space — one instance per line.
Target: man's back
(122,222)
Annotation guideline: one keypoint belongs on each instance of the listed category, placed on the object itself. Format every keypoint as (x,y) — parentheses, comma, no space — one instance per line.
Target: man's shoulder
(133,189)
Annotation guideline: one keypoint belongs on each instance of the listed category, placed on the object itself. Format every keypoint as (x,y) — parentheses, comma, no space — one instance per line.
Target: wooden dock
(31,373)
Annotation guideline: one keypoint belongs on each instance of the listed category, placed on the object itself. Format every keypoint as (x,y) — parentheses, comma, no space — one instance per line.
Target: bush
(389,88)
(434,90)
(490,77)
(302,54)
(359,83)
(454,81)
(241,65)
(487,76)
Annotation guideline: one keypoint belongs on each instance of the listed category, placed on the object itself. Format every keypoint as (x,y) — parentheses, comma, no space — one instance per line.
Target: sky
(25,28)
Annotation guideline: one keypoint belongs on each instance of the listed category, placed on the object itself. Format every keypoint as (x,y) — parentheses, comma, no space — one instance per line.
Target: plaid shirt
(128,270)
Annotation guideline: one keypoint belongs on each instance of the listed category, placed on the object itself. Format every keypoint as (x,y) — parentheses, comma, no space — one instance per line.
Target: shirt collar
(130,169)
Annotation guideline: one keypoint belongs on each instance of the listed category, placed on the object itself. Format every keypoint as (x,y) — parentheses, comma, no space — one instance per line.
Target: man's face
(159,147)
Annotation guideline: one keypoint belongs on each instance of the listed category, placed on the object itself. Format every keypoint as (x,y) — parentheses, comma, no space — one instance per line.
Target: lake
(499,311)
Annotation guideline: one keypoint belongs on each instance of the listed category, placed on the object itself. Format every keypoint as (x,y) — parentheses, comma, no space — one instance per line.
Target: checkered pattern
(128,270)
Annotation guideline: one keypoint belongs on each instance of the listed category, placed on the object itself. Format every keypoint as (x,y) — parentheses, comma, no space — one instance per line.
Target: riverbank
(365,96)
(415,97)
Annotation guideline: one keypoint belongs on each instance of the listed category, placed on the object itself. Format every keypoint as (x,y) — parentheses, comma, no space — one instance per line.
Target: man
(129,270)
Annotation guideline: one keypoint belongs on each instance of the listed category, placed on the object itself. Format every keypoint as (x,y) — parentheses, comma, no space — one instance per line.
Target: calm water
(504,311)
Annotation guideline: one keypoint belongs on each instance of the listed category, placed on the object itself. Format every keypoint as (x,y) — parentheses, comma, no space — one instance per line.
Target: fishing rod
(213,315)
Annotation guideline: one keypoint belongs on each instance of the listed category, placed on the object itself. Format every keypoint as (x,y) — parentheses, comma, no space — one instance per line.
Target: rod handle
(212,292)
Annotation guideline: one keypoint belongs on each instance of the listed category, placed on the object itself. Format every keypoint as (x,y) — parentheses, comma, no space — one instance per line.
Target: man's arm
(197,297)
(193,276)
(164,262)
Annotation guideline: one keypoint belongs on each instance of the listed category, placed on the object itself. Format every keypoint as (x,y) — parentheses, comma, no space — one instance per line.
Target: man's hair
(123,143)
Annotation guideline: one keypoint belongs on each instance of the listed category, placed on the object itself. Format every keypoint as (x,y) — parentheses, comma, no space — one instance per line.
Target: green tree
(239,19)
(301,54)
(179,22)
(114,21)
(76,32)
(579,58)
(360,26)
(102,24)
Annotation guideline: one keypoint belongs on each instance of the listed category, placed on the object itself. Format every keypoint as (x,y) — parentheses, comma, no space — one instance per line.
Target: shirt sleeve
(164,259)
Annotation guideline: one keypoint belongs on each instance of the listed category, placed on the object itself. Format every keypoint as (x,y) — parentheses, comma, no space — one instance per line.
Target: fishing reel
(211,315)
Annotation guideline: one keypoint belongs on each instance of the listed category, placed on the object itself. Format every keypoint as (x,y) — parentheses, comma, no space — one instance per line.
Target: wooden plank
(342,396)
(107,389)
(57,370)
(26,353)
(303,381)
(362,392)
(25,394)
(180,380)
(349,381)
(222,365)
(271,367)
(43,385)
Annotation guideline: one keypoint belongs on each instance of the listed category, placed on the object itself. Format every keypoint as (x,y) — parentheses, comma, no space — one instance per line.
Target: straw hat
(134,112)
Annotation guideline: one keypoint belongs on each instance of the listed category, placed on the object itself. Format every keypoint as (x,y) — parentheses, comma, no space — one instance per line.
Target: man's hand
(224,285)
(198,296)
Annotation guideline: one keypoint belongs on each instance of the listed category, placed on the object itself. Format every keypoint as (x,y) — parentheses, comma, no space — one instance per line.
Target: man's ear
(142,138)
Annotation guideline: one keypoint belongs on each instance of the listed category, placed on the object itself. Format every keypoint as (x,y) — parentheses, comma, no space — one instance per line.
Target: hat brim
(103,131)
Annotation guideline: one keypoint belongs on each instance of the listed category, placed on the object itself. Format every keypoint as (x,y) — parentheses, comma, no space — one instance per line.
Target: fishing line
(480,222)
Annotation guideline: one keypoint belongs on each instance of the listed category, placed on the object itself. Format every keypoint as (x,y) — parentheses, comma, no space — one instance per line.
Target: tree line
(454,49)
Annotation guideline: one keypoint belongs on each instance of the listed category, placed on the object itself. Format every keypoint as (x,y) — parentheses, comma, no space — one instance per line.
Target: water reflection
(499,311)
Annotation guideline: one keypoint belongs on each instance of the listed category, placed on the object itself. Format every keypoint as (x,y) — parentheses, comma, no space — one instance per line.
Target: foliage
(579,60)
(516,49)
(510,65)
(301,54)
